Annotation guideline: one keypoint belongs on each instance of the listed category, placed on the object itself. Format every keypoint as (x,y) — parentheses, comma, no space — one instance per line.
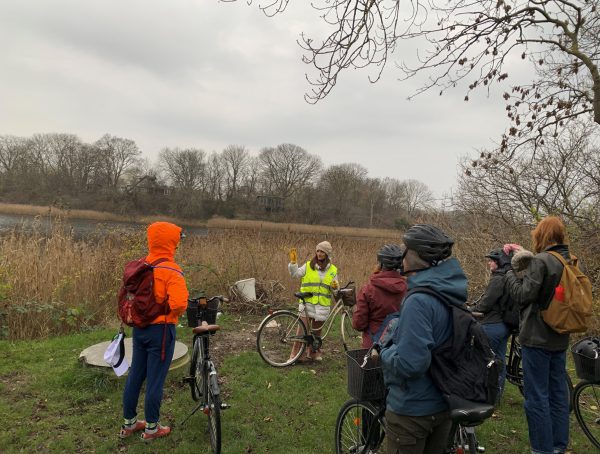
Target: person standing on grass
(543,349)
(382,295)
(319,276)
(492,304)
(154,345)
(416,411)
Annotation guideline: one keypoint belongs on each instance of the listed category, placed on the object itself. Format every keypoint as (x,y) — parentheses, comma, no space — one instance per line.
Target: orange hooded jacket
(163,239)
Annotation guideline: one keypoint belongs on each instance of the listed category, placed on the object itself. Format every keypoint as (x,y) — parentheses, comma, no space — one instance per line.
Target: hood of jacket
(389,281)
(163,239)
(447,278)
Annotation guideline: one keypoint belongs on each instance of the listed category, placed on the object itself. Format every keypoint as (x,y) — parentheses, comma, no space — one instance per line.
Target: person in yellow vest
(319,276)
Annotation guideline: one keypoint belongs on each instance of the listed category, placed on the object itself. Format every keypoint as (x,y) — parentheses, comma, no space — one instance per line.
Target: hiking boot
(127,431)
(161,431)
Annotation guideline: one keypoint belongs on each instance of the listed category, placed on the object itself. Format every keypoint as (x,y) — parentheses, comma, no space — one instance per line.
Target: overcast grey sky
(207,74)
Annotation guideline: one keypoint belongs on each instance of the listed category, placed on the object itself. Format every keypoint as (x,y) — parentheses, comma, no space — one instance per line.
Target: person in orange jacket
(154,345)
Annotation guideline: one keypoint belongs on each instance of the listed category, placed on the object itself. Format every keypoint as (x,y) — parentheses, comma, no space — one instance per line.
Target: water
(79,227)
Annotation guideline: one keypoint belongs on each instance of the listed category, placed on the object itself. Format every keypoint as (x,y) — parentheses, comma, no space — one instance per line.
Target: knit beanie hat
(325,246)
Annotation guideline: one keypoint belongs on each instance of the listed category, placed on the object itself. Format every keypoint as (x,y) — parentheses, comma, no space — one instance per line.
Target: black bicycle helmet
(589,347)
(503,260)
(429,242)
(390,256)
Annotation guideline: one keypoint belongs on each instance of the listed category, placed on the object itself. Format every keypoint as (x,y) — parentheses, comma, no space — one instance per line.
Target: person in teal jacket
(416,412)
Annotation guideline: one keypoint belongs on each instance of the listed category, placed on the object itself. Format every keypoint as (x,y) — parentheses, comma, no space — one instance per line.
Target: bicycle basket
(209,314)
(364,383)
(192,313)
(348,296)
(586,355)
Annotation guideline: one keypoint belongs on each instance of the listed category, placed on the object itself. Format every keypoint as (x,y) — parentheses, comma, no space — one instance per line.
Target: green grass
(49,402)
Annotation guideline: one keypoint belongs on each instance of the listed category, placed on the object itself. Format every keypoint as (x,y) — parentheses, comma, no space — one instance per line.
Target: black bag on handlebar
(348,295)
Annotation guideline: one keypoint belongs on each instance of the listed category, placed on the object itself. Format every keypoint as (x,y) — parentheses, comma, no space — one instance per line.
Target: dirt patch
(15,386)
(240,336)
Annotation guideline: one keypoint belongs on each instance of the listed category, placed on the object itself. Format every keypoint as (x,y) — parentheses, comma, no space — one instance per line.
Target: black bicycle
(586,397)
(202,379)
(514,367)
(361,425)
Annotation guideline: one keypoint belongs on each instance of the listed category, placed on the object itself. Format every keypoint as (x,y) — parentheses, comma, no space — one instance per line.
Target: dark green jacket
(493,300)
(533,293)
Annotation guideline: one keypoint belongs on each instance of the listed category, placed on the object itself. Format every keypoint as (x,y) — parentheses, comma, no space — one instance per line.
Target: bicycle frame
(336,310)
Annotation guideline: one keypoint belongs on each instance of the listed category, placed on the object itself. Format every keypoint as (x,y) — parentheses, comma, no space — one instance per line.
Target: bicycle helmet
(588,347)
(503,260)
(390,256)
(429,242)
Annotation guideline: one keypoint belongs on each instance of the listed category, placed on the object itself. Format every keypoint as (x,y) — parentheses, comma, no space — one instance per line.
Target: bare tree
(417,196)
(342,186)
(288,167)
(235,159)
(561,179)
(185,168)
(471,41)
(117,155)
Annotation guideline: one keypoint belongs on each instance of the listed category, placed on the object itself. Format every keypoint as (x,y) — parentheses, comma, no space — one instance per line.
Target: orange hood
(163,238)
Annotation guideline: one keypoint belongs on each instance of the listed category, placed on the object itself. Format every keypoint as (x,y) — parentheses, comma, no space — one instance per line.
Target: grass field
(49,402)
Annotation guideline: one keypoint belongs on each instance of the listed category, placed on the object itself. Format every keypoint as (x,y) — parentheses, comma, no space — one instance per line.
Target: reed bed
(55,283)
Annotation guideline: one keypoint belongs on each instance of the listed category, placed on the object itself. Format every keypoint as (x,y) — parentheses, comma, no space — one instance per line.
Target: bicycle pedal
(225,406)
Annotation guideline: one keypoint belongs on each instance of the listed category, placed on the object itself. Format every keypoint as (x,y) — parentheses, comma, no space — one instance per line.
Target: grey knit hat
(325,246)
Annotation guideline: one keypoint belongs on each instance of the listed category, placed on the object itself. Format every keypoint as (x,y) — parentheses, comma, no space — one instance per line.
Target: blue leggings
(147,365)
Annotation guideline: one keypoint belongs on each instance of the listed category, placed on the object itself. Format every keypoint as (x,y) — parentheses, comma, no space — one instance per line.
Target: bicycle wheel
(276,336)
(351,338)
(197,383)
(586,400)
(352,427)
(214,420)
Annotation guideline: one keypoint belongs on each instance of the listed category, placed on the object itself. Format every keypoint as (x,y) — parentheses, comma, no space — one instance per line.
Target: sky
(207,74)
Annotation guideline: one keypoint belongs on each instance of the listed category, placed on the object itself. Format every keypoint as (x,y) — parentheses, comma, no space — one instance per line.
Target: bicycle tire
(214,421)
(351,338)
(351,433)
(197,382)
(276,336)
(586,403)
(472,442)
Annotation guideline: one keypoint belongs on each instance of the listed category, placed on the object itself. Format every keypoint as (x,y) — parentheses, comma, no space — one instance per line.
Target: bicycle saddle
(203,329)
(303,295)
(464,411)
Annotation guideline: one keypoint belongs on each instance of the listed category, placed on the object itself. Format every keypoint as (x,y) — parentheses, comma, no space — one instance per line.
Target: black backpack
(464,365)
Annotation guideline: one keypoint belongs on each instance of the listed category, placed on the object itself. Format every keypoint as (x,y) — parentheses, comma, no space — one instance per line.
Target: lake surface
(80,227)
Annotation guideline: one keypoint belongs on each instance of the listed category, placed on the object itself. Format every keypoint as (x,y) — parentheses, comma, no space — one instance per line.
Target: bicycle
(586,396)
(361,425)
(202,379)
(280,329)
(514,368)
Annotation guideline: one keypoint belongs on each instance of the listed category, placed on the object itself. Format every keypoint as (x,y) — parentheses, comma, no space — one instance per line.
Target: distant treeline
(284,182)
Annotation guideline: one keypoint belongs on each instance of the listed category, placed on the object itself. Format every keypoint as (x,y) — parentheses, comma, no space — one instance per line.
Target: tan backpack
(571,307)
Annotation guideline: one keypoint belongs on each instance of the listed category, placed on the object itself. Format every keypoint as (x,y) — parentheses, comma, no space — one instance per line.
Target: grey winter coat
(533,293)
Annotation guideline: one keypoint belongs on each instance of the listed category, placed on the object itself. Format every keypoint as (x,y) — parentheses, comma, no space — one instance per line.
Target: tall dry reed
(56,283)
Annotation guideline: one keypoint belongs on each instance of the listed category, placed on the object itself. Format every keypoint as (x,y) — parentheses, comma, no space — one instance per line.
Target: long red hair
(548,232)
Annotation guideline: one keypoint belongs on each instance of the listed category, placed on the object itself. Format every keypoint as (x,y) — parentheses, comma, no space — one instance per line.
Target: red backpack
(137,304)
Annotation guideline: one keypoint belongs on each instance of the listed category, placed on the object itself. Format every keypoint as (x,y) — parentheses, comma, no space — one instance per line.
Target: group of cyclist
(417,416)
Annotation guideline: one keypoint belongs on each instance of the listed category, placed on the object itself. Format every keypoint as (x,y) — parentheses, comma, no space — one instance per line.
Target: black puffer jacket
(533,293)
(494,299)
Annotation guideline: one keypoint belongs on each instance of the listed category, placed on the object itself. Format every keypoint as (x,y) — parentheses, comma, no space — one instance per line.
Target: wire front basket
(364,382)
(199,310)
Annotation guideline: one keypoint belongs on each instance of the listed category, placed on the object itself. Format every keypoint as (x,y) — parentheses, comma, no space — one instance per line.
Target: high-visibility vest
(320,288)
